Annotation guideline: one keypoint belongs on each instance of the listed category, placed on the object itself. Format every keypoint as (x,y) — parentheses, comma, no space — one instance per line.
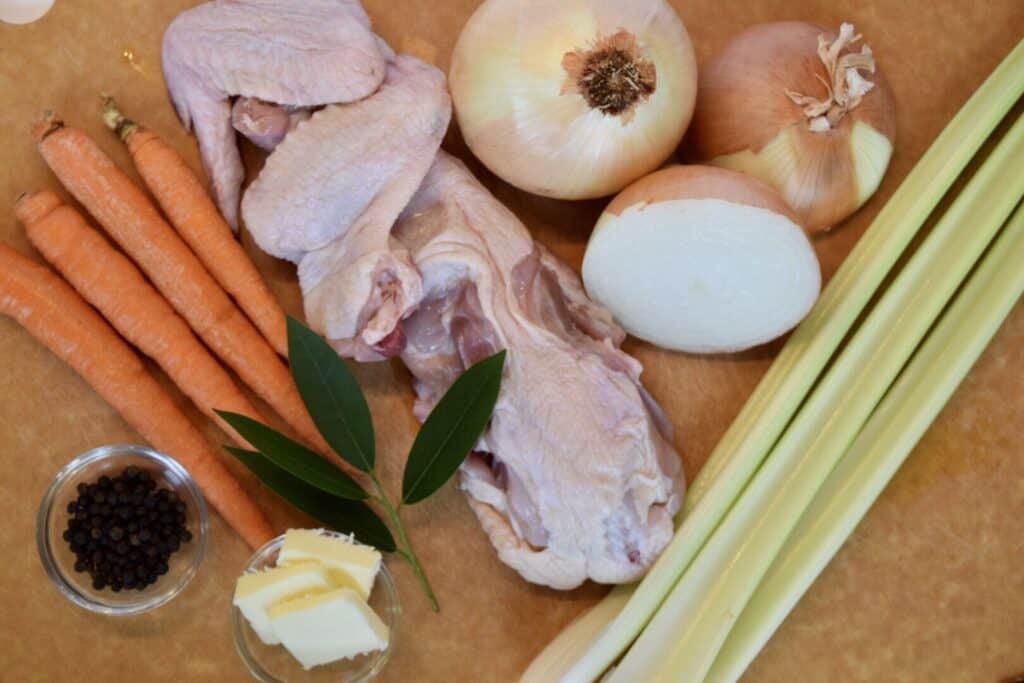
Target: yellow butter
(351,565)
(325,627)
(256,592)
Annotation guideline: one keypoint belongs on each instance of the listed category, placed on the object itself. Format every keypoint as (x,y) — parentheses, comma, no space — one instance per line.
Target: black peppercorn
(124,529)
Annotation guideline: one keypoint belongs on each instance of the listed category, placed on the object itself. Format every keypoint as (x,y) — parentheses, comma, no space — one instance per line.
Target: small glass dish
(274,664)
(58,559)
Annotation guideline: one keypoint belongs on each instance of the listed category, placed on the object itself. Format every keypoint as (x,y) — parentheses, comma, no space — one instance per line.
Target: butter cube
(256,592)
(325,627)
(352,566)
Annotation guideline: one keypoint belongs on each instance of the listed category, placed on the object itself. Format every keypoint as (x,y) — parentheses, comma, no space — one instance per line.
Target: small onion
(802,110)
(702,259)
(573,99)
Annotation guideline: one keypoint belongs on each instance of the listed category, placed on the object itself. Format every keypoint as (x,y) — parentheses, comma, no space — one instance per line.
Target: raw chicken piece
(575,478)
(330,194)
(291,52)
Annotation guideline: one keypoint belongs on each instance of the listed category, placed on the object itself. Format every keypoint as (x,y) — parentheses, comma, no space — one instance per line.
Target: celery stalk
(787,382)
(684,636)
(892,432)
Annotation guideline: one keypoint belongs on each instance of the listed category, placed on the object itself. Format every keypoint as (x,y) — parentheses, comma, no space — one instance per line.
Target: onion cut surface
(702,260)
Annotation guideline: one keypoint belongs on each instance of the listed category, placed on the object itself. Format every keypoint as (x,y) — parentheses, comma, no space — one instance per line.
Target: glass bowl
(274,664)
(59,560)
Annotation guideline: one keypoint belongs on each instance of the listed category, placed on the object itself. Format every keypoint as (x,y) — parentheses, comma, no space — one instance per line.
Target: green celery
(684,636)
(892,432)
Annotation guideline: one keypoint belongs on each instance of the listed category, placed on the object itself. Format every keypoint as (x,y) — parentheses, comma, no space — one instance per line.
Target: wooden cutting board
(930,587)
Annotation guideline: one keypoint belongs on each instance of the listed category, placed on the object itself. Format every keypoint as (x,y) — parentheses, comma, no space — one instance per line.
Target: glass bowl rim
(374,666)
(46,510)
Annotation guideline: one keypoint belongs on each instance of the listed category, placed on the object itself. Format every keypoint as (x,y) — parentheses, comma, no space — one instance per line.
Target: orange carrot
(134,223)
(194,215)
(54,314)
(110,281)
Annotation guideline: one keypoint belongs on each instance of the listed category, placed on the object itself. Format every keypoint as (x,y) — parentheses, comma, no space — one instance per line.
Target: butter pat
(353,566)
(255,593)
(325,627)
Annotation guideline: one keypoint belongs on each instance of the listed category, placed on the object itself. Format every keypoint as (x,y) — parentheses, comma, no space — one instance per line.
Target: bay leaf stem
(405,548)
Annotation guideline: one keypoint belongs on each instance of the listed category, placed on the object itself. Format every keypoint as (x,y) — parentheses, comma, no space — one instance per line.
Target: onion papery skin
(745,121)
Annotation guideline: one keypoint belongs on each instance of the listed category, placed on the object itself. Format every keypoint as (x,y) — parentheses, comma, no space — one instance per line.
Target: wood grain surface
(929,588)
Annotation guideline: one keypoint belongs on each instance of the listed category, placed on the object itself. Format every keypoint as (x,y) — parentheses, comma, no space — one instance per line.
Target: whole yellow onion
(577,98)
(801,109)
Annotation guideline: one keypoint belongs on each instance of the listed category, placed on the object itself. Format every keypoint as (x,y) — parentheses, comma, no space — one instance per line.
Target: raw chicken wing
(300,53)
(330,194)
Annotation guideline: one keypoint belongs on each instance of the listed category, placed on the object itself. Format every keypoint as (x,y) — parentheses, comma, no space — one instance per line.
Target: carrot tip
(46,125)
(32,207)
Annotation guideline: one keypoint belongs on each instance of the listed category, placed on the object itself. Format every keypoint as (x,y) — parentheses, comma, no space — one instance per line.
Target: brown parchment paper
(929,588)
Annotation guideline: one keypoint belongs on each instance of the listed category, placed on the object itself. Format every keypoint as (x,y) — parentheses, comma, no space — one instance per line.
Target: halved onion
(702,259)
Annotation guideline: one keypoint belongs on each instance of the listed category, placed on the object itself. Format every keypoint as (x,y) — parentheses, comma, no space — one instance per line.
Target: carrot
(54,314)
(111,282)
(194,215)
(134,223)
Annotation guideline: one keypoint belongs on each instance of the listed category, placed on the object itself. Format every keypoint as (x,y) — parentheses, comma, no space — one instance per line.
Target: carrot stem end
(116,121)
